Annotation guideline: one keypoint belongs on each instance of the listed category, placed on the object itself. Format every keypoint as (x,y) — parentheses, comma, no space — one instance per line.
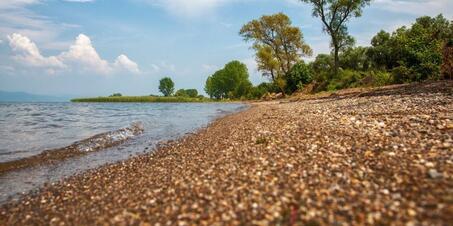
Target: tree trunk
(336,61)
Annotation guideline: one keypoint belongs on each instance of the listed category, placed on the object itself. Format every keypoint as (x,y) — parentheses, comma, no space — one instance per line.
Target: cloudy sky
(97,47)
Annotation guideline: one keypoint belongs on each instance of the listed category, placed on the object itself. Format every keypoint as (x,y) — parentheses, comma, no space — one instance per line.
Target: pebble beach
(380,156)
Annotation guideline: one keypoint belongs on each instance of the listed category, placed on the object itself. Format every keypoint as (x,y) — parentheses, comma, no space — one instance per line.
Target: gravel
(377,157)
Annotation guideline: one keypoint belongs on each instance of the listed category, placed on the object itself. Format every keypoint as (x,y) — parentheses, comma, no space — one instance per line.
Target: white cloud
(189,8)
(82,53)
(28,53)
(122,61)
(80,56)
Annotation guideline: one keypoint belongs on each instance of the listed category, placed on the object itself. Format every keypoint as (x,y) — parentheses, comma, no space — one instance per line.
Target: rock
(434,174)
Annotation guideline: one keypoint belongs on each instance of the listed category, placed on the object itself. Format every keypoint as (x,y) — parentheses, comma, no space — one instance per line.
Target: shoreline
(380,157)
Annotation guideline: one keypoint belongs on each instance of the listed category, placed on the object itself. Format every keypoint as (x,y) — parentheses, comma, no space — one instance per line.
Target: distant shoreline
(142,99)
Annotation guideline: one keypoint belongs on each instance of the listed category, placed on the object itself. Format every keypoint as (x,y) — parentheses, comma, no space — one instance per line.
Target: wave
(92,144)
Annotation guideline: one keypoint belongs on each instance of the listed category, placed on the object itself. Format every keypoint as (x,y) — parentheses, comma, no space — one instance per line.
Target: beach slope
(376,157)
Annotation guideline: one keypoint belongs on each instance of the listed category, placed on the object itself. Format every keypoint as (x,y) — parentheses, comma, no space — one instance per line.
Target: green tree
(277,43)
(299,75)
(414,53)
(380,53)
(355,59)
(166,86)
(334,14)
(181,93)
(191,93)
(230,82)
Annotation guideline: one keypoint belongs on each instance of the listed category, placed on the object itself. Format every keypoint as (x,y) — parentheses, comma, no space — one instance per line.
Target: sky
(99,47)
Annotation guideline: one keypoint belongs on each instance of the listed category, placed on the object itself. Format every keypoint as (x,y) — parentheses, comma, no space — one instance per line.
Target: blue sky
(98,47)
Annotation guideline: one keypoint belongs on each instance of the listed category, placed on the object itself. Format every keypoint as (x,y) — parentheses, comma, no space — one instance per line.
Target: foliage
(187,93)
(299,75)
(345,79)
(116,95)
(380,53)
(381,78)
(277,43)
(334,14)
(230,82)
(166,86)
(355,59)
(412,54)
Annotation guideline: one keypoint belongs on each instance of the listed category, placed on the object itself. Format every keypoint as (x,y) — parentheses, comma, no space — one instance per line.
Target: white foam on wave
(109,139)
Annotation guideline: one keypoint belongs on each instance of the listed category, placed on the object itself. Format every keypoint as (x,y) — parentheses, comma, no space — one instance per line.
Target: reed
(138,99)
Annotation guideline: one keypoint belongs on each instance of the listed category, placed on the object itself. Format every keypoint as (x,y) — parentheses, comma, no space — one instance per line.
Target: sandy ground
(374,157)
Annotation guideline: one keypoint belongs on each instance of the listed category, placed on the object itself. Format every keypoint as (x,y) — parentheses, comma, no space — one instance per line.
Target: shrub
(403,74)
(299,75)
(381,78)
(345,79)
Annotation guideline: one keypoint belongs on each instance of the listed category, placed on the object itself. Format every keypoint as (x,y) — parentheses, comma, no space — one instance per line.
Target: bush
(181,93)
(299,75)
(381,78)
(187,93)
(345,79)
(403,74)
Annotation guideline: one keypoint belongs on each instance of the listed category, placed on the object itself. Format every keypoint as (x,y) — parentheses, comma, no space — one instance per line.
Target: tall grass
(137,99)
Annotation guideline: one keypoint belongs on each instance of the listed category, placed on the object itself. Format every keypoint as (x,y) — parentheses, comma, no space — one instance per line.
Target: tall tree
(412,53)
(277,43)
(230,82)
(166,86)
(334,14)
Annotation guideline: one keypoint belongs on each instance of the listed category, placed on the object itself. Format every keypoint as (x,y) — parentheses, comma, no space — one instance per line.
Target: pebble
(317,166)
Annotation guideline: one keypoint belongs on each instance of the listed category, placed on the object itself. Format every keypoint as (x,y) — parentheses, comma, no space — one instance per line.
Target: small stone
(434,174)
(429,164)
(411,212)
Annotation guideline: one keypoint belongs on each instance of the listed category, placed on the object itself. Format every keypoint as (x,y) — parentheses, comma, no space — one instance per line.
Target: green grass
(139,99)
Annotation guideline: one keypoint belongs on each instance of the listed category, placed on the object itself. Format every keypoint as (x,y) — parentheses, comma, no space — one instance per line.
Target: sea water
(27,129)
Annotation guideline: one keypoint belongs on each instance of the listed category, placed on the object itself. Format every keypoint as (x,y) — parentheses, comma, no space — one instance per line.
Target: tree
(230,82)
(166,86)
(116,95)
(299,75)
(181,93)
(193,93)
(414,53)
(277,43)
(334,14)
(355,59)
